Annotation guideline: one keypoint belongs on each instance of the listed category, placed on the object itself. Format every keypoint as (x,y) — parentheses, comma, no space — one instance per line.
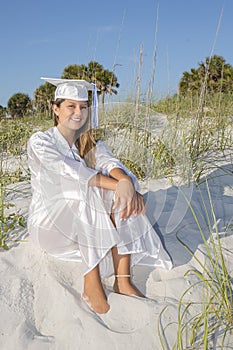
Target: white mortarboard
(74,89)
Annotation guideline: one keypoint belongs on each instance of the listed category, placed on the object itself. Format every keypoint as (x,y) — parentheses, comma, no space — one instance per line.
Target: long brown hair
(85,142)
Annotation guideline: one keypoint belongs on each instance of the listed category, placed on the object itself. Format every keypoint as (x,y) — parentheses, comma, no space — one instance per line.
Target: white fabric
(72,92)
(70,220)
(72,89)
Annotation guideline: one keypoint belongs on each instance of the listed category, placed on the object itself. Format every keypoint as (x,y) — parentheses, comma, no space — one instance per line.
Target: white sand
(40,296)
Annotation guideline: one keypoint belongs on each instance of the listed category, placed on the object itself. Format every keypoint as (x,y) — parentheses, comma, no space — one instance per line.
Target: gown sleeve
(45,158)
(105,162)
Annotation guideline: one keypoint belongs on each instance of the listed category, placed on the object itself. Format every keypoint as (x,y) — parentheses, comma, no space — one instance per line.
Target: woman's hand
(130,201)
(138,204)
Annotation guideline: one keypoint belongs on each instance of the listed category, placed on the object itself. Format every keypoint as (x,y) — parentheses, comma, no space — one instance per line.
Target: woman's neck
(70,135)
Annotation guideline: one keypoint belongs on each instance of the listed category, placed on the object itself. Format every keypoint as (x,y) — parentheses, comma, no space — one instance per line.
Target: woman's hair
(85,142)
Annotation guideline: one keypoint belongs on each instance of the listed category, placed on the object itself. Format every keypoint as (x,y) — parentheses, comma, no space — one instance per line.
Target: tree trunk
(102,97)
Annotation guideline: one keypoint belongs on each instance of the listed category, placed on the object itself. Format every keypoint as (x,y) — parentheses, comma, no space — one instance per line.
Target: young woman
(85,203)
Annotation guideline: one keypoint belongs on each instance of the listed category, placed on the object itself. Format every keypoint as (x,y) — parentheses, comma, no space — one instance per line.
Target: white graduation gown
(70,220)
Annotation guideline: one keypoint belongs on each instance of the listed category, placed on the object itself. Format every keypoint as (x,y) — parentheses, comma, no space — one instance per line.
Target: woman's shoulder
(40,136)
(102,149)
(101,143)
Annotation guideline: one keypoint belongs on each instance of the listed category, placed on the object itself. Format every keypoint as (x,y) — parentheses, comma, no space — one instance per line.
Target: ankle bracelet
(122,275)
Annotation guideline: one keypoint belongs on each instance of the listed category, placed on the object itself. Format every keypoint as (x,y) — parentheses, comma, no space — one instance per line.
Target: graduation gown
(71,220)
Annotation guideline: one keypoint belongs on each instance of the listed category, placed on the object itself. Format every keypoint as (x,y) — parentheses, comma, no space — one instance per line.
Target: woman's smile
(76,119)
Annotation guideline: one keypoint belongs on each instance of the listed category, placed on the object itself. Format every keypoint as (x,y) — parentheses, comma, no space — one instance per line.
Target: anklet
(122,275)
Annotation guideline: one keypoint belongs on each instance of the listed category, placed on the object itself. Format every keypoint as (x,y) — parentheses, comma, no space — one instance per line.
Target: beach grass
(215,280)
(14,134)
(202,323)
(207,131)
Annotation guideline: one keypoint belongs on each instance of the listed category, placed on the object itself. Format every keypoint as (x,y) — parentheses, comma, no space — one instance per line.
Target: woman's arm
(119,174)
(131,202)
(100,180)
(109,183)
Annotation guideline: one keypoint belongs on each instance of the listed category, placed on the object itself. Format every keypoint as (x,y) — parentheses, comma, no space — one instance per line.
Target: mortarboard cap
(72,89)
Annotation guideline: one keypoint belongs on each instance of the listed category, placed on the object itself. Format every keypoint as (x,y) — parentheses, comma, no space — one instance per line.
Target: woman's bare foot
(123,285)
(96,302)
(93,292)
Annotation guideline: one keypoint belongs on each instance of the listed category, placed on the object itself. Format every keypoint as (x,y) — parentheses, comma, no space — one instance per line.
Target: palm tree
(105,80)
(3,112)
(19,105)
(43,97)
(74,71)
(184,83)
(190,82)
(94,72)
(214,71)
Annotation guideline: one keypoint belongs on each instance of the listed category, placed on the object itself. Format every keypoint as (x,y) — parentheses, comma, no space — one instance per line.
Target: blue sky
(40,38)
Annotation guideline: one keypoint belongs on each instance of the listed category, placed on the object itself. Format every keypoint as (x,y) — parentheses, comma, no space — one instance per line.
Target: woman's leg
(122,282)
(94,292)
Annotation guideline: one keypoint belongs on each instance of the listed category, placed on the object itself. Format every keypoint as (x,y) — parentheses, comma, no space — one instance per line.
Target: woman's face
(72,114)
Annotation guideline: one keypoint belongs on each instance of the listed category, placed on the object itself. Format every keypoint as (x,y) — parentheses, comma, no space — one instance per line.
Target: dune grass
(14,134)
(216,309)
(206,130)
(213,316)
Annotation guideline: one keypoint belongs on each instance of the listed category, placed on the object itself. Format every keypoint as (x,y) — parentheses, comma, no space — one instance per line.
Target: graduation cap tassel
(94,120)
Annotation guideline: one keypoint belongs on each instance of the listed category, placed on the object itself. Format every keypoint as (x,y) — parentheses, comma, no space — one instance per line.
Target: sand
(40,299)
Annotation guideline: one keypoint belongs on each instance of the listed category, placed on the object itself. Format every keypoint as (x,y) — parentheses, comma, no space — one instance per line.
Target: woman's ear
(56,110)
